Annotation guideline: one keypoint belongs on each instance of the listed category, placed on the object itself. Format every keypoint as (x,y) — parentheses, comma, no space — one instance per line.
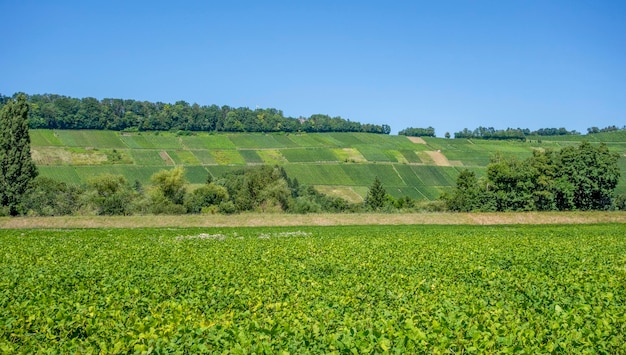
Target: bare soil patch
(324,219)
(417,140)
(166,158)
(438,158)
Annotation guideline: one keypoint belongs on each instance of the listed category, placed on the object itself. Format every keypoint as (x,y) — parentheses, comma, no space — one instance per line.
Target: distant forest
(53,111)
(521,134)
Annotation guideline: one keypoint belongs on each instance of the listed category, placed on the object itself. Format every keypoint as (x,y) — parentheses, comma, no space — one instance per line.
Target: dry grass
(166,158)
(349,154)
(417,140)
(62,156)
(438,158)
(258,219)
(345,192)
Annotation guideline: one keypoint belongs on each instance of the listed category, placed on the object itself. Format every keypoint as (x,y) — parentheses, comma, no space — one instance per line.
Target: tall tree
(593,174)
(376,196)
(16,164)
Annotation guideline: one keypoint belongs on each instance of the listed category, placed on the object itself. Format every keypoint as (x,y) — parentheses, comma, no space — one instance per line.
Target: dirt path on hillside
(417,140)
(438,158)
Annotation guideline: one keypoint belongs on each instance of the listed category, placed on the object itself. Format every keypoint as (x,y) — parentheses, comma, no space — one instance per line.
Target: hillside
(343,164)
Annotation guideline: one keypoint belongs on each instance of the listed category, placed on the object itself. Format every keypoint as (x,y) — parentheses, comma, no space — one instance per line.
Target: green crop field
(422,169)
(349,290)
(308,155)
(95,139)
(44,138)
(251,156)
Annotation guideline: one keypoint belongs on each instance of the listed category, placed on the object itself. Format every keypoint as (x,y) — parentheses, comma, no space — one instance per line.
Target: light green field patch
(345,192)
(193,142)
(44,138)
(398,156)
(349,155)
(196,174)
(251,156)
(147,157)
(425,158)
(163,141)
(152,140)
(258,140)
(435,176)
(411,156)
(311,140)
(173,156)
(183,157)
(135,141)
(413,192)
(227,157)
(345,139)
(306,155)
(365,175)
(320,174)
(285,140)
(271,156)
(375,154)
(66,174)
(118,156)
(210,141)
(205,157)
(90,138)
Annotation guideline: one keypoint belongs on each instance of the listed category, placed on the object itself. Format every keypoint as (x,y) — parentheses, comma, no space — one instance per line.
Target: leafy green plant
(374,289)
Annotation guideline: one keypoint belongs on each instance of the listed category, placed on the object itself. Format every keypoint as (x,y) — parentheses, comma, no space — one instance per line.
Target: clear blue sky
(447,64)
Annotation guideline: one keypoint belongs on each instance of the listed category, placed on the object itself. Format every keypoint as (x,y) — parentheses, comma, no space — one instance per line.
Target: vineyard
(330,161)
(352,289)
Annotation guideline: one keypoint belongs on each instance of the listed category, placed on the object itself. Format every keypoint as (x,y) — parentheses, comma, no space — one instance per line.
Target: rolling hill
(343,164)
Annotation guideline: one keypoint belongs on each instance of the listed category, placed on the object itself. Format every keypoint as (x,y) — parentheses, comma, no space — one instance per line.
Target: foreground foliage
(573,178)
(457,289)
(16,165)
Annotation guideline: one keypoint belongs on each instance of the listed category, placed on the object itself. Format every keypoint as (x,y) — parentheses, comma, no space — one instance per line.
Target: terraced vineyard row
(374,289)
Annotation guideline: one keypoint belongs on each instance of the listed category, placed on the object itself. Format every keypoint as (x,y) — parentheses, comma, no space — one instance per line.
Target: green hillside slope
(343,164)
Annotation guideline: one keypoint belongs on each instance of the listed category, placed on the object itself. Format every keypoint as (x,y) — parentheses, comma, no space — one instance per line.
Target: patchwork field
(345,163)
(349,289)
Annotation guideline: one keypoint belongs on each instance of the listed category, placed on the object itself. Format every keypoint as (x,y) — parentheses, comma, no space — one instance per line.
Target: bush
(109,195)
(205,196)
(48,197)
(227,207)
(619,203)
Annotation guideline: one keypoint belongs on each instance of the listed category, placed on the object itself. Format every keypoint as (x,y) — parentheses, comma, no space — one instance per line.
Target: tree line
(417,132)
(580,177)
(61,112)
(521,134)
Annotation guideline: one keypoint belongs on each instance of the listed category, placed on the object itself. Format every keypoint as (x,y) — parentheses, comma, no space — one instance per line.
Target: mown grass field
(342,289)
(346,162)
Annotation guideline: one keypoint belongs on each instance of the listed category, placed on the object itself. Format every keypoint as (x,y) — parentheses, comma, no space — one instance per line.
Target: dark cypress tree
(376,196)
(16,165)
